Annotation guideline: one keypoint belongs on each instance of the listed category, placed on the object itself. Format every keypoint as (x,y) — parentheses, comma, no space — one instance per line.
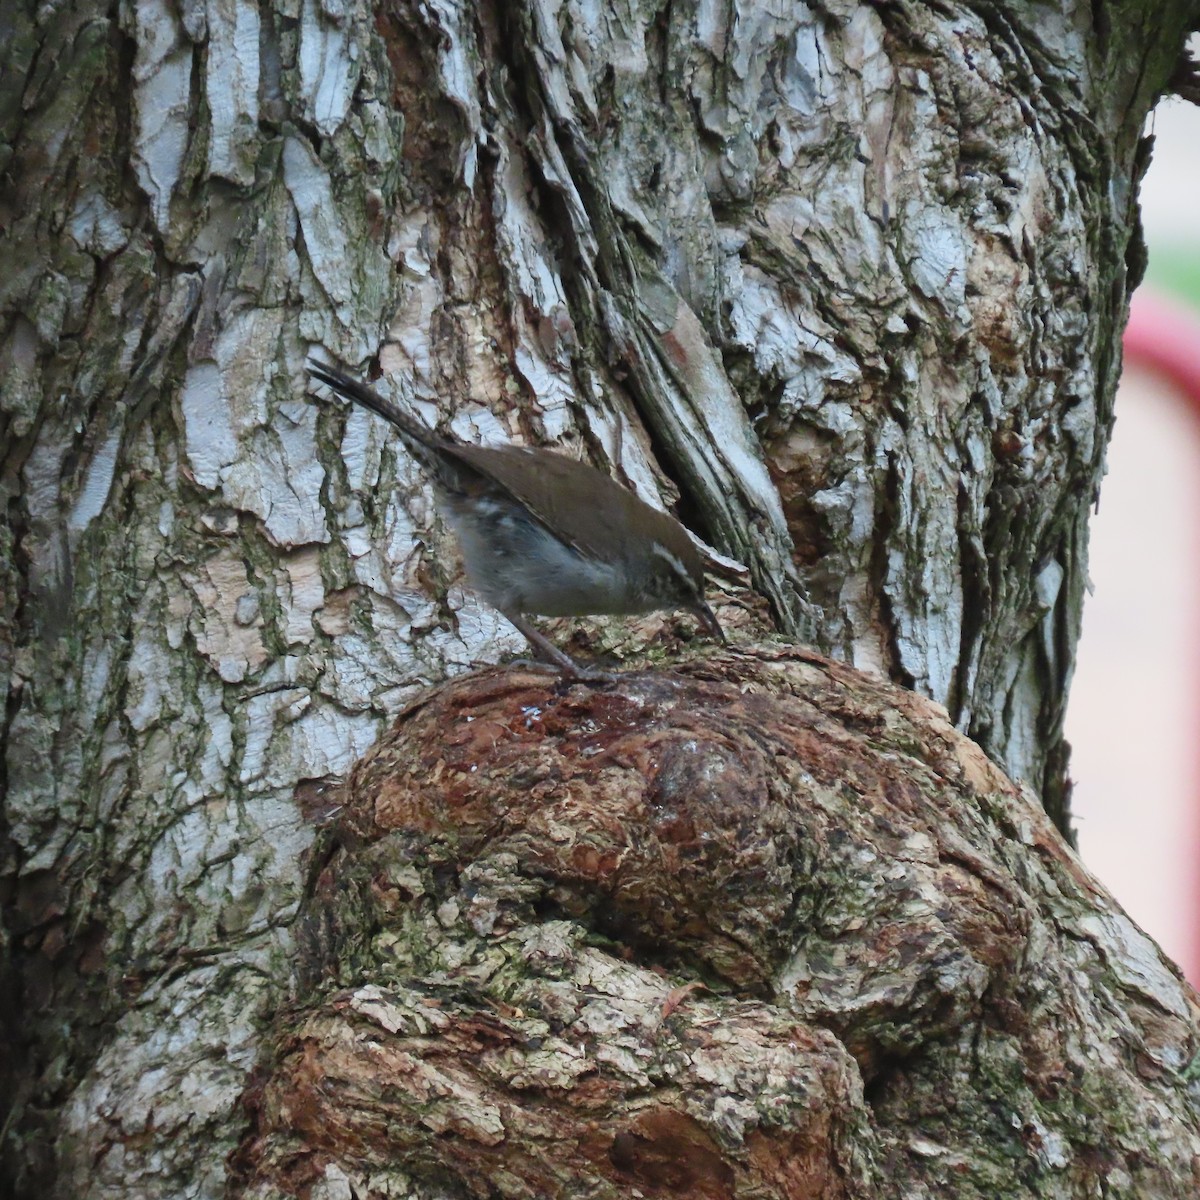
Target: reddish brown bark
(899,951)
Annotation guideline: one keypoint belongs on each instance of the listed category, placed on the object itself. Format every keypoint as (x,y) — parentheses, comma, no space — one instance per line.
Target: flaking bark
(844,282)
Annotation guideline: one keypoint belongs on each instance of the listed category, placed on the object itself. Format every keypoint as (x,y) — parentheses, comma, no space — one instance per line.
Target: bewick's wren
(542,534)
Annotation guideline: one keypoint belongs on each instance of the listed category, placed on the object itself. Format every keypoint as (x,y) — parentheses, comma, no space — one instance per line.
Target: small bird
(542,534)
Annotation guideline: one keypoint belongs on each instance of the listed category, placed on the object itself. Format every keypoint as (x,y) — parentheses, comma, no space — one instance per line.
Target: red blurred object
(1165,337)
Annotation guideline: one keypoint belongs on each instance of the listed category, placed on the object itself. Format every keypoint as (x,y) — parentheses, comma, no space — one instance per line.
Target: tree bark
(759,926)
(845,284)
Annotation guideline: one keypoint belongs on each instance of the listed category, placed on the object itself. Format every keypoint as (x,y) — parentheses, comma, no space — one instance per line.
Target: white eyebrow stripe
(675,563)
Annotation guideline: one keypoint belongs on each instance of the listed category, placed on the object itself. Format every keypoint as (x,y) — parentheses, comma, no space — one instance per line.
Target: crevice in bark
(885,520)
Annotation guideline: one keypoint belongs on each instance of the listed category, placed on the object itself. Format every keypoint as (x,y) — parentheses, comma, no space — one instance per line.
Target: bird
(544,535)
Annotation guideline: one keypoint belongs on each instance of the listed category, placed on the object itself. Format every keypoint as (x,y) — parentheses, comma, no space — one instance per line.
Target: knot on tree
(759,926)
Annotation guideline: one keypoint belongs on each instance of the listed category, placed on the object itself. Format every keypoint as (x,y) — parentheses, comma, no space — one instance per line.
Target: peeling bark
(841,282)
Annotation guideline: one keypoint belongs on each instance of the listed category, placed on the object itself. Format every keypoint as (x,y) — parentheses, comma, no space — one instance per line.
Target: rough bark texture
(843,280)
(759,926)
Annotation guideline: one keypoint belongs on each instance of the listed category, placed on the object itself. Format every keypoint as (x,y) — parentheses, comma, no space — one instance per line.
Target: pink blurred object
(1164,336)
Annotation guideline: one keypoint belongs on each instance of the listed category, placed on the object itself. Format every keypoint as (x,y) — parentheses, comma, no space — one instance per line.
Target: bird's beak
(709,621)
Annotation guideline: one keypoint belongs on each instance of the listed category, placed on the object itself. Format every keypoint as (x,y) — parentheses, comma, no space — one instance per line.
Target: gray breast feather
(518,567)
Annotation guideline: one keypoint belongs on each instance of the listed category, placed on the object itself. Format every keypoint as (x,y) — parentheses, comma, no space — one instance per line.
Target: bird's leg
(543,646)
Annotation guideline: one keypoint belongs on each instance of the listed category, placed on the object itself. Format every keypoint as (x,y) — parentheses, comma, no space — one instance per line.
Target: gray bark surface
(843,282)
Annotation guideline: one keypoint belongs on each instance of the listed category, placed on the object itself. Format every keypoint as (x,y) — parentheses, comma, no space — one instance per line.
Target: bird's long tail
(354,389)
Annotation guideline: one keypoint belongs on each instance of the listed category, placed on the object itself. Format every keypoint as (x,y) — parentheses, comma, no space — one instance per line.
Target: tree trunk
(842,282)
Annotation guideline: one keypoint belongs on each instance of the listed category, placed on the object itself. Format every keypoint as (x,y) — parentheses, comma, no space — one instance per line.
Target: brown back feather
(562,494)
